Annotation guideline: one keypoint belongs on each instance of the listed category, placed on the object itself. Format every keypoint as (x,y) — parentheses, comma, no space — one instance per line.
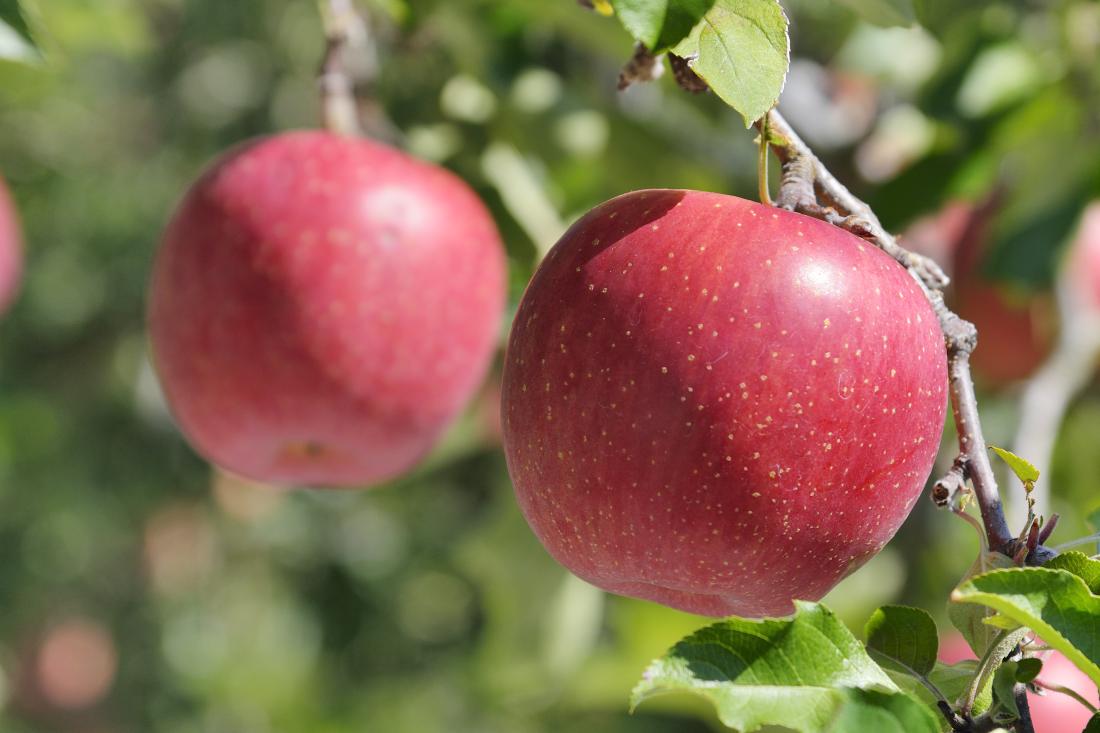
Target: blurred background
(140,591)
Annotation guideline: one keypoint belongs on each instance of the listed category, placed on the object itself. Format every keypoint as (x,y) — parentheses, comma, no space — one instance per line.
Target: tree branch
(809,188)
(1024,724)
(339,110)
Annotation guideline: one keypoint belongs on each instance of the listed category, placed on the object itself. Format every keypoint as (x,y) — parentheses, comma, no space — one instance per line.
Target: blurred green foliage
(427,605)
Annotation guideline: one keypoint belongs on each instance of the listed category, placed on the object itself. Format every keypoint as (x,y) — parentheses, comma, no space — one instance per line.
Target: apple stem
(762,165)
(339,109)
(809,188)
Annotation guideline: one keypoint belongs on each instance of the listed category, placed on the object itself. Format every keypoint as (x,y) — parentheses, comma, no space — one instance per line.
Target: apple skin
(718,405)
(11,249)
(322,307)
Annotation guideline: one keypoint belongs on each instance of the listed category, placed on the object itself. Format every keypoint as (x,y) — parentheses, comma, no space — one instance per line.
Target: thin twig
(1069,692)
(339,110)
(1024,724)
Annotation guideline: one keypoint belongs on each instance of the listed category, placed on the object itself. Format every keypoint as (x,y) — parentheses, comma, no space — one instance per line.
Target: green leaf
(870,710)
(1028,669)
(1081,565)
(1094,519)
(884,12)
(1024,469)
(951,679)
(800,673)
(1056,604)
(971,620)
(1004,680)
(660,24)
(903,638)
(16,40)
(1000,621)
(741,49)
(1094,724)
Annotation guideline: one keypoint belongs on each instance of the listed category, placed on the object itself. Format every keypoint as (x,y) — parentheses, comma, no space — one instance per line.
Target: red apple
(11,249)
(322,307)
(718,405)
(1082,272)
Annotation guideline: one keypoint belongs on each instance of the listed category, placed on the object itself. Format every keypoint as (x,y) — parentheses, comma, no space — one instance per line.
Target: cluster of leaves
(809,673)
(741,48)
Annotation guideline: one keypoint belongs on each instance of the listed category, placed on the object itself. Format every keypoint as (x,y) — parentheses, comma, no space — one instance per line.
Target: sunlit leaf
(805,673)
(1056,604)
(1024,469)
(1080,565)
(660,24)
(742,50)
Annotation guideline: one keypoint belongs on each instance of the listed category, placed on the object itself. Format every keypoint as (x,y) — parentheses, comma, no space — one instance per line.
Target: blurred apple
(322,307)
(1082,270)
(1015,331)
(11,249)
(76,663)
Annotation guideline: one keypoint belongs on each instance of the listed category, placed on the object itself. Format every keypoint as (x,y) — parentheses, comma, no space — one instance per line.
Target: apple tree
(726,407)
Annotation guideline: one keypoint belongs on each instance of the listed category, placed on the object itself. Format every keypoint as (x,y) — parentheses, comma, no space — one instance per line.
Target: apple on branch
(718,405)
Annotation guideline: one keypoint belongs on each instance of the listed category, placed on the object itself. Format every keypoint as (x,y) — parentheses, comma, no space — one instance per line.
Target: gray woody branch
(809,188)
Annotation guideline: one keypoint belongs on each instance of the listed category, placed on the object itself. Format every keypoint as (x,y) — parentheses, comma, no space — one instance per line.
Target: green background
(427,605)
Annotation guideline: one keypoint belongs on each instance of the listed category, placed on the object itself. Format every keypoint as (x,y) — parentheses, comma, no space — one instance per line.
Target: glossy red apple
(11,249)
(322,307)
(718,405)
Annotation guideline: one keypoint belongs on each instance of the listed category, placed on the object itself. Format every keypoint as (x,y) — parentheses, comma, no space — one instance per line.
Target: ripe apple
(322,307)
(718,405)
(11,249)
